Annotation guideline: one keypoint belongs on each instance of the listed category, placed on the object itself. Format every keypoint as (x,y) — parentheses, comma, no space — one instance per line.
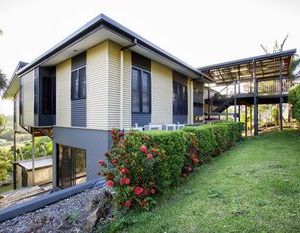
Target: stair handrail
(218,93)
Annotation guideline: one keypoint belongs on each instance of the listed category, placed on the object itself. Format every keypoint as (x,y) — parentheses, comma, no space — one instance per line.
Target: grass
(254,187)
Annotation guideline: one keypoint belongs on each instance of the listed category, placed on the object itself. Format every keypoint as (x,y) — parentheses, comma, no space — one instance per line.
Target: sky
(199,32)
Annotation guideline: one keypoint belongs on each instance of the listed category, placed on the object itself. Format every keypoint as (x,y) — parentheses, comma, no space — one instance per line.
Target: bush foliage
(294,100)
(141,165)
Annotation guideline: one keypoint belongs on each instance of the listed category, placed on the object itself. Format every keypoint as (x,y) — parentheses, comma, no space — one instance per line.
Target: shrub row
(142,164)
(294,100)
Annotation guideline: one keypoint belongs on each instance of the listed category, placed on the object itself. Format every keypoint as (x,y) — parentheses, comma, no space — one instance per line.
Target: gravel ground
(68,215)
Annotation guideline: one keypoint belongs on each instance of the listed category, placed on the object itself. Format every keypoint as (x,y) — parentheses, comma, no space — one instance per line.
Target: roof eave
(105,21)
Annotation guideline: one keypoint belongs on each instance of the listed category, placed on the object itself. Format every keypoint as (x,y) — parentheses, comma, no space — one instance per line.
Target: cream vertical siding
(114,82)
(63,94)
(161,93)
(114,85)
(97,87)
(27,82)
(190,101)
(127,90)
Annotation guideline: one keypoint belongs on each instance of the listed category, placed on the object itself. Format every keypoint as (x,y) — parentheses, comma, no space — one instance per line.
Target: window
(141,91)
(78,79)
(180,102)
(71,166)
(47,95)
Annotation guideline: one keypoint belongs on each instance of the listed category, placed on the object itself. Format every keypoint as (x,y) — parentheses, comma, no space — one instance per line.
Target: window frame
(140,86)
(180,100)
(77,78)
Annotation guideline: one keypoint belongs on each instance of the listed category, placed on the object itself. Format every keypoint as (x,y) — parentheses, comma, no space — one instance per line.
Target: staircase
(220,101)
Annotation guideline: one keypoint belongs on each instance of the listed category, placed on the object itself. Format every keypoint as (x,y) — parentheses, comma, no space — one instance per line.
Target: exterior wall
(114,75)
(97,87)
(114,82)
(27,83)
(190,101)
(78,106)
(78,113)
(63,94)
(161,94)
(95,142)
(127,90)
(17,126)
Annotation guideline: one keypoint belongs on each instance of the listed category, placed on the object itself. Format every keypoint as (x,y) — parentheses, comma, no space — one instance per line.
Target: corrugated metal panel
(97,86)
(127,90)
(140,119)
(113,85)
(63,94)
(17,126)
(162,88)
(79,61)
(178,77)
(190,101)
(141,61)
(78,113)
(78,107)
(27,82)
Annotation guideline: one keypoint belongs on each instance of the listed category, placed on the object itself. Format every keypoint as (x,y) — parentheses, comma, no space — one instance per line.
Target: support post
(280,95)
(14,162)
(235,101)
(209,102)
(227,108)
(255,100)
(251,120)
(246,121)
(33,157)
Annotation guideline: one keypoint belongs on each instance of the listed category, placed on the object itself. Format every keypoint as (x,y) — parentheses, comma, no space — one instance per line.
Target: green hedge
(294,100)
(142,164)
(172,144)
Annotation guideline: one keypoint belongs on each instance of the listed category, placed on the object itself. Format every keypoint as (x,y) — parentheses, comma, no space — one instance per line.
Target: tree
(3,81)
(3,122)
(294,100)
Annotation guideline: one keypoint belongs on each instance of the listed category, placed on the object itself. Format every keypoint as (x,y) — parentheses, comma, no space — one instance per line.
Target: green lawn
(254,187)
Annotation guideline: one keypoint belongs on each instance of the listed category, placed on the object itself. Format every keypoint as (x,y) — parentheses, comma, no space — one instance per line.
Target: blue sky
(198,32)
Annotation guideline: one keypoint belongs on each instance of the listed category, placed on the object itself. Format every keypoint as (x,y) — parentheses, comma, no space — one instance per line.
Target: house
(103,76)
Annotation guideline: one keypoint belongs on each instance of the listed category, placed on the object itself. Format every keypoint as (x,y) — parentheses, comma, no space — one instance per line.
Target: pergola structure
(251,81)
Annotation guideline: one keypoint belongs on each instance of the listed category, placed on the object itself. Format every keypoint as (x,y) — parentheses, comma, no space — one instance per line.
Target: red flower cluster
(149,156)
(123,170)
(138,190)
(143,149)
(124,181)
(127,203)
(110,183)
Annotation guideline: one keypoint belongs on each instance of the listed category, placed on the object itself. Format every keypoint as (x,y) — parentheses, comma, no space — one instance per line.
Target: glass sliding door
(71,169)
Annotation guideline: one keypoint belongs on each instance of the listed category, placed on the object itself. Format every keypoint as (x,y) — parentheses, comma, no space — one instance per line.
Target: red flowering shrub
(192,153)
(131,169)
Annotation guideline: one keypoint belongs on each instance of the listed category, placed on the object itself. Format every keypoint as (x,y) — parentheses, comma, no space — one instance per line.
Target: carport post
(280,95)
(255,100)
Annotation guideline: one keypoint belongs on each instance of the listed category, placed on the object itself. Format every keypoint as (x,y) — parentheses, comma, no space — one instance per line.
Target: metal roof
(267,66)
(104,21)
(13,85)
